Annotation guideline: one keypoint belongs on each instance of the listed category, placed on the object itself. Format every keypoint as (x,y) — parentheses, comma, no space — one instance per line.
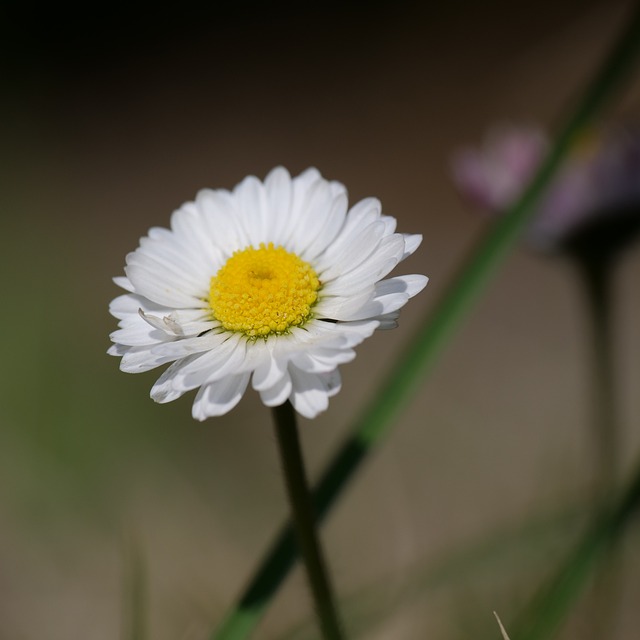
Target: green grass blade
(524,545)
(408,373)
(135,594)
(551,606)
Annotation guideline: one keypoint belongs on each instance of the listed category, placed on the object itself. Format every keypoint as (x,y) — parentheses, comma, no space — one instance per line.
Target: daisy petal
(124,282)
(391,295)
(138,359)
(311,391)
(253,206)
(411,243)
(219,397)
(268,374)
(129,304)
(411,285)
(277,394)
(279,196)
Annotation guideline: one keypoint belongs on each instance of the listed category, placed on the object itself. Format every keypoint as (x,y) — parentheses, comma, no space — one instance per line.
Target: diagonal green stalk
(304,520)
(417,359)
(552,604)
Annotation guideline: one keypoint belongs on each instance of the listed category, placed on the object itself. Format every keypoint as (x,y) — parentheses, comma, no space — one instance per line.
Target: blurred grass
(570,542)
(477,566)
(551,606)
(76,433)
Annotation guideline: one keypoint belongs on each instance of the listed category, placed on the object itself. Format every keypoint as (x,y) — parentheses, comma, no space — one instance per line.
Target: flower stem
(596,276)
(550,607)
(304,520)
(596,270)
(135,594)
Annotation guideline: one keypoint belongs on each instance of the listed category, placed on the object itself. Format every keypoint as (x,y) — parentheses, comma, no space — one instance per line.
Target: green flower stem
(596,276)
(135,594)
(596,271)
(549,609)
(304,520)
(405,377)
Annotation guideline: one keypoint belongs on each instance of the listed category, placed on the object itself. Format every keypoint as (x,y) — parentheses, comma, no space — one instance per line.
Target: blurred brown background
(108,123)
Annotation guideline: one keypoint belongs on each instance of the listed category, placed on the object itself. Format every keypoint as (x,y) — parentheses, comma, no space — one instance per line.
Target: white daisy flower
(273,282)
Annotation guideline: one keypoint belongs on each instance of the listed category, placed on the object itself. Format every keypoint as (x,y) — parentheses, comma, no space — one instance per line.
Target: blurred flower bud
(592,205)
(493,176)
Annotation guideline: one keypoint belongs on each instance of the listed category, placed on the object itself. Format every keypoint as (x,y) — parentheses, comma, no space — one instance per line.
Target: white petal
(279,196)
(125,283)
(252,205)
(391,295)
(175,258)
(349,251)
(343,307)
(189,251)
(410,284)
(363,213)
(390,224)
(312,202)
(330,218)
(374,268)
(220,397)
(129,305)
(339,335)
(222,219)
(164,390)
(324,235)
(139,334)
(138,359)
(411,243)
(210,341)
(309,363)
(166,324)
(351,283)
(380,306)
(333,357)
(268,373)
(388,321)
(302,187)
(311,392)
(198,369)
(161,286)
(117,350)
(278,393)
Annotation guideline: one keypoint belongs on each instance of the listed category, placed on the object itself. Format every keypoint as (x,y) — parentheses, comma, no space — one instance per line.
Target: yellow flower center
(263,291)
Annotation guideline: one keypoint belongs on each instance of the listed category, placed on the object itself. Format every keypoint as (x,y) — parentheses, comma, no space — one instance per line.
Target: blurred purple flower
(493,176)
(597,189)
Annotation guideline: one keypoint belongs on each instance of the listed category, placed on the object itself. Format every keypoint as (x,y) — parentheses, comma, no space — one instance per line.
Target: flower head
(273,282)
(593,198)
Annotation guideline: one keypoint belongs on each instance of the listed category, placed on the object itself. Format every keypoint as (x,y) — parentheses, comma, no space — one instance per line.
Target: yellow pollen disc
(263,291)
